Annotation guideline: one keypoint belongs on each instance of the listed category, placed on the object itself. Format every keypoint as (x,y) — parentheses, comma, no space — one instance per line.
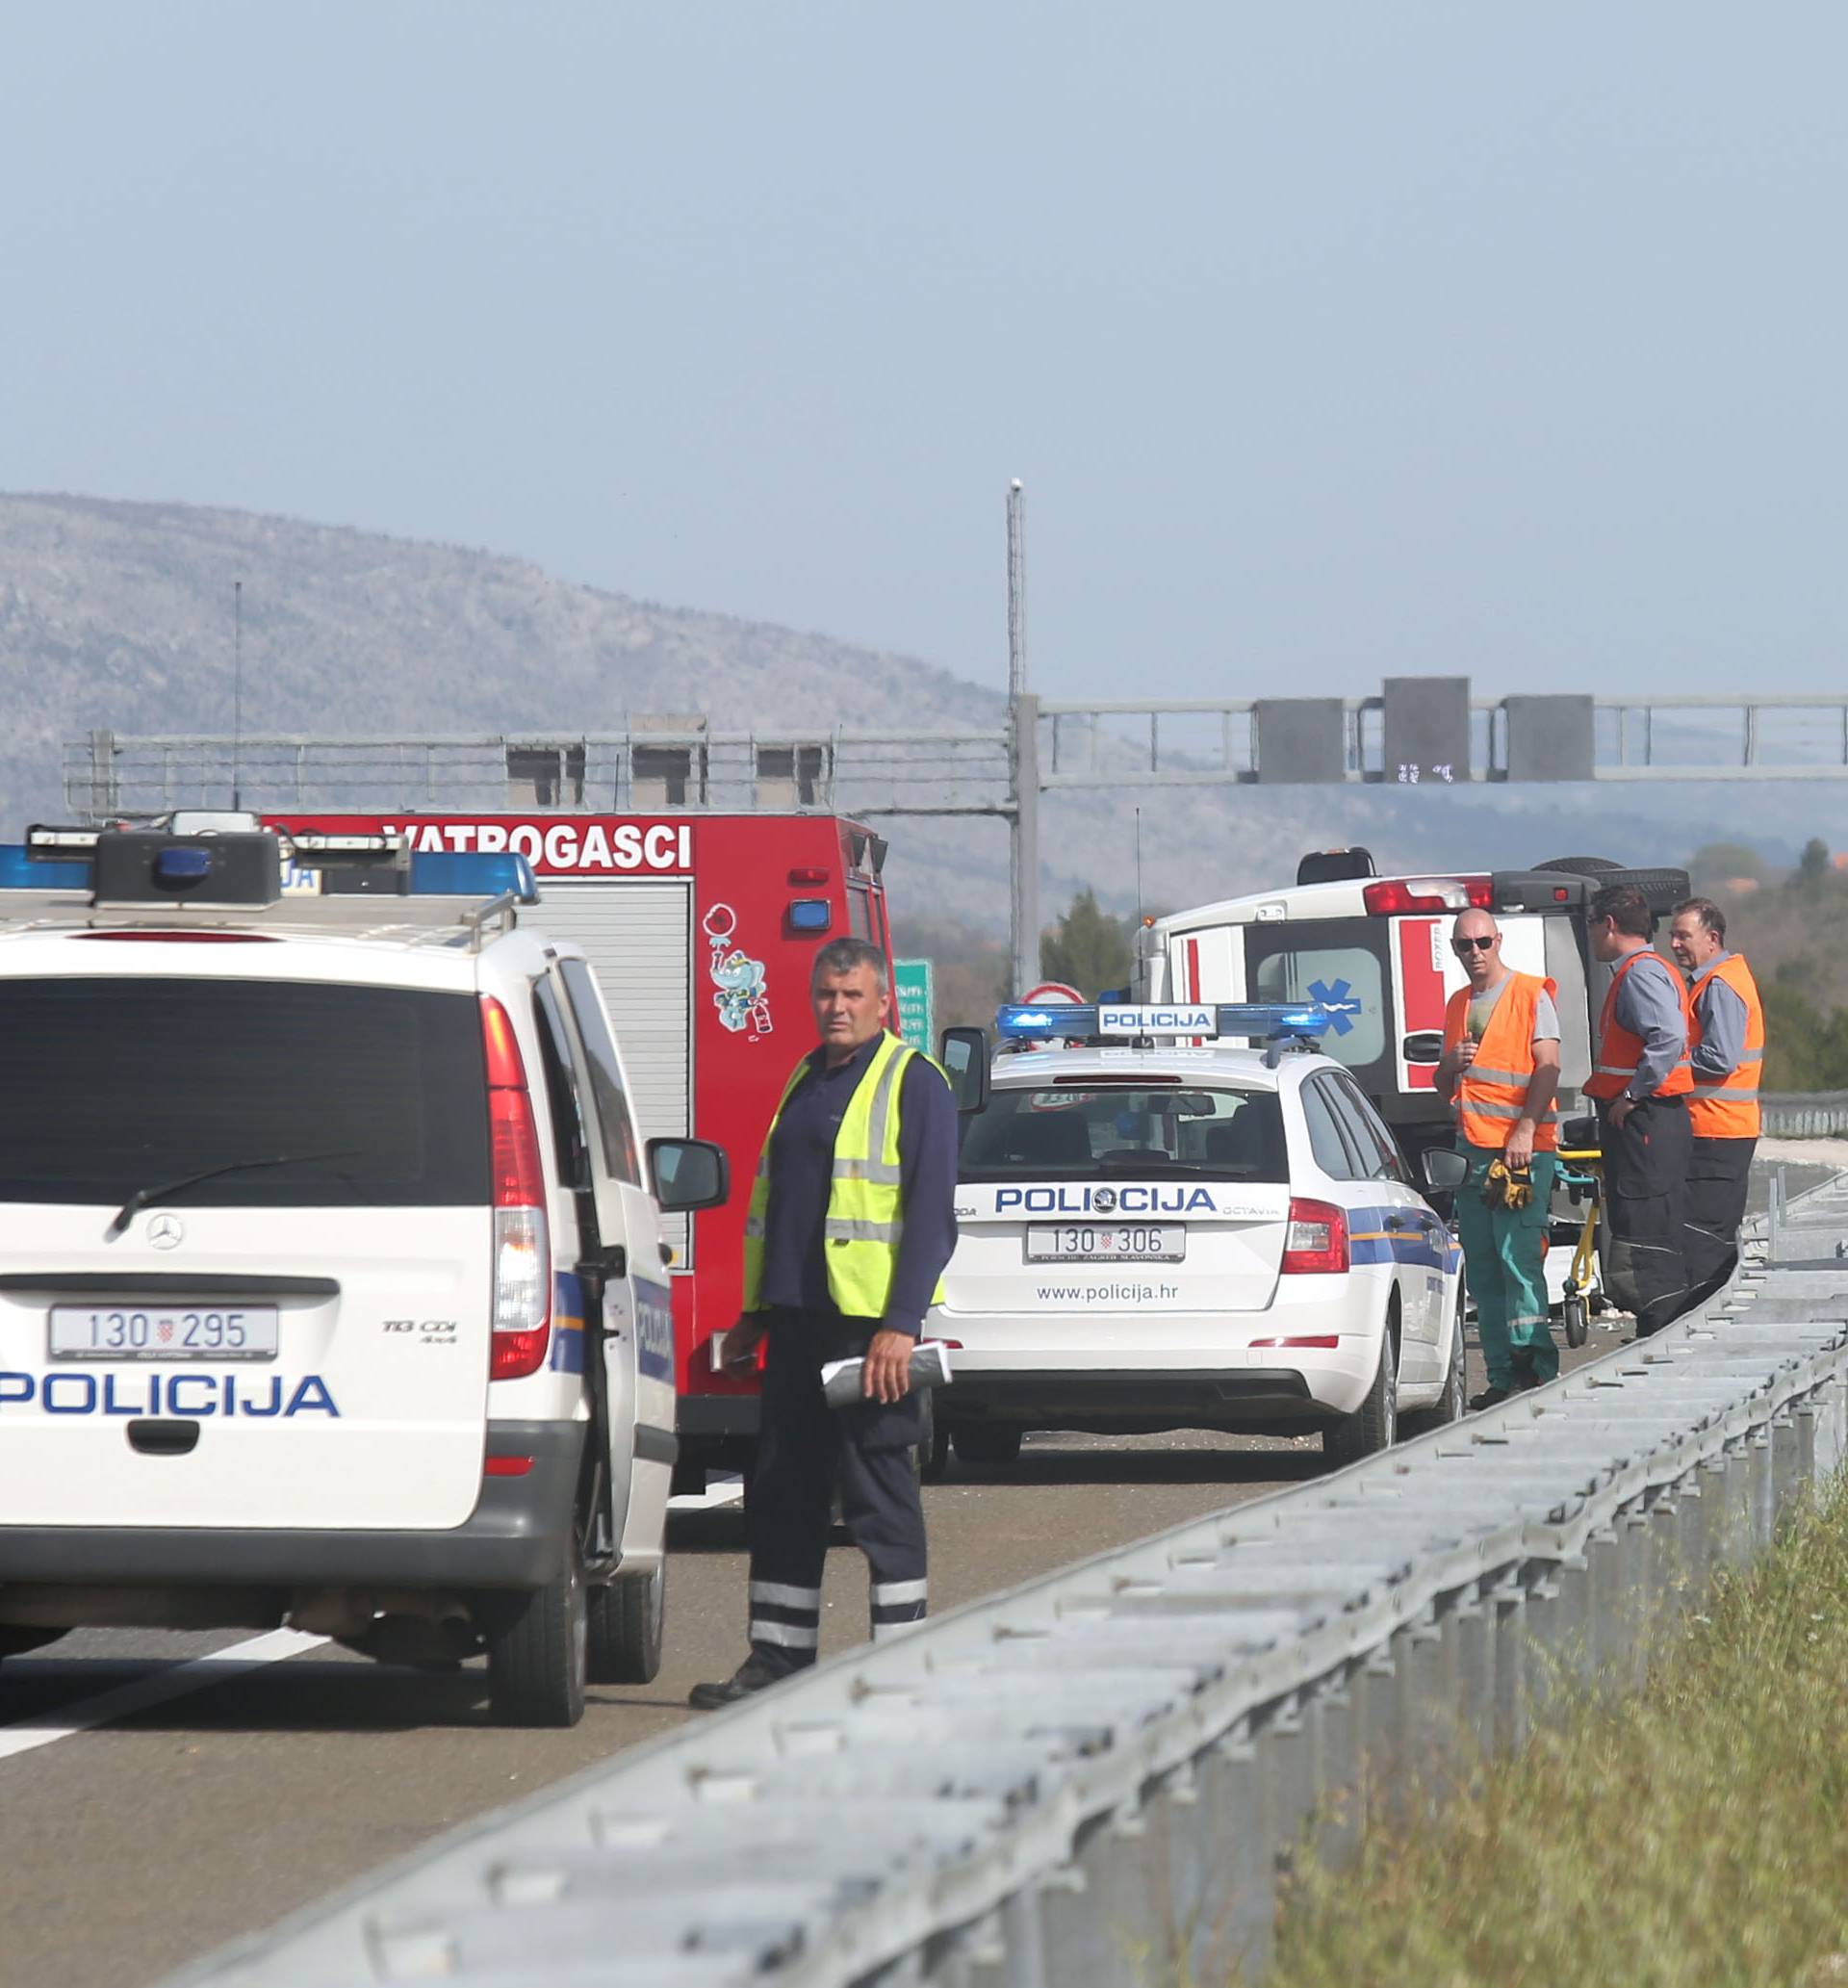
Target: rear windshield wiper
(146,1197)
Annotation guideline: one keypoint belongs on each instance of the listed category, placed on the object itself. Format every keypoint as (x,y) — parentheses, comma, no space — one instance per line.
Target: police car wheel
(1374,1425)
(627,1618)
(1453,1403)
(539,1654)
(986,1445)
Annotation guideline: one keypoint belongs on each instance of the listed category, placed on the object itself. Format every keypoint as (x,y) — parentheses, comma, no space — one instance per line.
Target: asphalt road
(144,1839)
(142,1842)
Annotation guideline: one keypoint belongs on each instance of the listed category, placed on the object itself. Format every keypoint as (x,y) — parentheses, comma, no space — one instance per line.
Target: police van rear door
(638,1314)
(245,1243)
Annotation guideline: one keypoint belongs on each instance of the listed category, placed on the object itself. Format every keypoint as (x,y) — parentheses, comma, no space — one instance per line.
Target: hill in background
(118,616)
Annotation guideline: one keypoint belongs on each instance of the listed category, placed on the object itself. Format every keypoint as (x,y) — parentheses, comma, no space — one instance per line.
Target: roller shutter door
(638,940)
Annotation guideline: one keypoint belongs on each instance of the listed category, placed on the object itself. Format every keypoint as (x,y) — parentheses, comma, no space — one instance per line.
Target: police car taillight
(1315,1242)
(1398,895)
(522,1246)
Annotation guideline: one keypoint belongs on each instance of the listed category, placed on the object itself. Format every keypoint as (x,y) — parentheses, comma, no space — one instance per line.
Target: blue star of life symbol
(1338,1000)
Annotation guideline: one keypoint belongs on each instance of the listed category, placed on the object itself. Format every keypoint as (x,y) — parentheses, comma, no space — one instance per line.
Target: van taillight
(1315,1240)
(522,1246)
(1429,893)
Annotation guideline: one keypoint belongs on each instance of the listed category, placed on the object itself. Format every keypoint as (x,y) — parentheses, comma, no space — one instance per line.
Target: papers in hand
(929,1367)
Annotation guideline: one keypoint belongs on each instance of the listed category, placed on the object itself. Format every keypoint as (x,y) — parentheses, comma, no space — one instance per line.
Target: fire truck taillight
(1398,895)
(810,875)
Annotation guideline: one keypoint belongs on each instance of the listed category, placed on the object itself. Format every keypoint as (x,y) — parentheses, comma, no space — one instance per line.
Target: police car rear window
(373,1097)
(1165,1130)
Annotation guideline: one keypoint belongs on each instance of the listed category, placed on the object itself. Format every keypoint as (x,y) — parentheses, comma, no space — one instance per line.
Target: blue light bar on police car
(1254,1021)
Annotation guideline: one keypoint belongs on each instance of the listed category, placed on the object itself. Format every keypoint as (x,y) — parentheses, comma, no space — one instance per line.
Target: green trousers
(1503,1260)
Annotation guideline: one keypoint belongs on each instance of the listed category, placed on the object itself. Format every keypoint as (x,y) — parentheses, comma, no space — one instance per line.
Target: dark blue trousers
(808,1454)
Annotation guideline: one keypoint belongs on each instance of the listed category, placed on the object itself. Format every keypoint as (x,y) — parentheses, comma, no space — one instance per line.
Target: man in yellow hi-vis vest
(852,1220)
(1500,1069)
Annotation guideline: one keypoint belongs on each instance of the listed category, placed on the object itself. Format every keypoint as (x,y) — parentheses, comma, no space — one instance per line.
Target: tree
(1814,864)
(1720,863)
(1091,950)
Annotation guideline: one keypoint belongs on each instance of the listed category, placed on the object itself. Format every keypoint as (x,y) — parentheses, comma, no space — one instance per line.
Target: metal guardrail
(1097,1777)
(1805,1114)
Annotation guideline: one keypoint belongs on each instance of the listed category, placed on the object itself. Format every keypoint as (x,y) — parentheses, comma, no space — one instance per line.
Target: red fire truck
(701,928)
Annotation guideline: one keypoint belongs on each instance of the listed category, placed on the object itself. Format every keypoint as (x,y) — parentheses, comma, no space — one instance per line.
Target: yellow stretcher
(1582,1172)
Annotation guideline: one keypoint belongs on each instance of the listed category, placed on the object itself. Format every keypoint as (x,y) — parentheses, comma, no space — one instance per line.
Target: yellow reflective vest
(864,1219)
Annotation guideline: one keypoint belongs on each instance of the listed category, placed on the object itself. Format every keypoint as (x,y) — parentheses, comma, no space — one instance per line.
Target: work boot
(1491,1397)
(753,1675)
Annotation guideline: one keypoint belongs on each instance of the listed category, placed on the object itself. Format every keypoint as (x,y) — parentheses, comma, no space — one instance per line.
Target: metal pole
(1023,761)
(1026,843)
(237,693)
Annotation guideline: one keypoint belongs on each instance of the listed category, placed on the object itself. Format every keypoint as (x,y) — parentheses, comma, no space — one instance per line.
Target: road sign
(1053,991)
(916,997)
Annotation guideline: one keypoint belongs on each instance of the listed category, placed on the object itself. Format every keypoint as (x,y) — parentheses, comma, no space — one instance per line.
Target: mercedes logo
(1103,1199)
(167,1232)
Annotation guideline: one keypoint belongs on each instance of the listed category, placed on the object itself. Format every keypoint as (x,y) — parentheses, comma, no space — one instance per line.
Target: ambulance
(701,928)
(1380,948)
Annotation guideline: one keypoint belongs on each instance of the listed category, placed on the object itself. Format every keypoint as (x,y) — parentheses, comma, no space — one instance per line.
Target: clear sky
(1331,340)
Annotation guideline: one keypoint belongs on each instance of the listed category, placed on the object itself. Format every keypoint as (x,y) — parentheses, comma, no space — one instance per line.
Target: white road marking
(173,1682)
(721,1491)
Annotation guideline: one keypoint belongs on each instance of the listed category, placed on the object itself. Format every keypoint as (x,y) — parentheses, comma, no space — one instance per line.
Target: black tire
(539,1656)
(1578,1322)
(1374,1425)
(934,1448)
(986,1445)
(1662,888)
(1453,1403)
(628,1623)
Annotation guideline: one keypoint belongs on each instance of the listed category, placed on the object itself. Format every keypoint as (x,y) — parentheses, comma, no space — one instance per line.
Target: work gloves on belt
(1507,1187)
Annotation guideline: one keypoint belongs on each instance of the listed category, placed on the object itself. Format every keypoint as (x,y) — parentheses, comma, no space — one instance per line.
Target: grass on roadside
(1691,1837)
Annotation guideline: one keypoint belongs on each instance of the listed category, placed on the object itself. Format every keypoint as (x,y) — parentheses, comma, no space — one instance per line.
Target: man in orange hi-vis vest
(1641,1083)
(1725,1051)
(1500,1069)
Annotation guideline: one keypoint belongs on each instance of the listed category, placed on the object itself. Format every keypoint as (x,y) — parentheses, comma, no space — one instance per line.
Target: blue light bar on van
(472,873)
(20,871)
(1255,1021)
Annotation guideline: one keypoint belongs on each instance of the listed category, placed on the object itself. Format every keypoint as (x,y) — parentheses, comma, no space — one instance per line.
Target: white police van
(331,1284)
(1155,1234)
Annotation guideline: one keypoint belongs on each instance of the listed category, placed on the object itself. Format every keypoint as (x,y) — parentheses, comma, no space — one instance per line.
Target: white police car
(331,1282)
(1156,1235)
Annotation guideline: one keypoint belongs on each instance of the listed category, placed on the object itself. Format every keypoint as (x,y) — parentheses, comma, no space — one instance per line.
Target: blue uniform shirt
(801,1159)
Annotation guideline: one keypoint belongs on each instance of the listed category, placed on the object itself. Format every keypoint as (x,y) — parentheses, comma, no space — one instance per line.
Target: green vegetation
(1088,948)
(1091,949)
(1794,932)
(971,968)
(1695,1836)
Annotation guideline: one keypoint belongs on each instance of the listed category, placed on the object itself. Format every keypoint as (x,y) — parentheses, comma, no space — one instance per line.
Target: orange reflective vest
(1620,1051)
(1727,1107)
(1493,1091)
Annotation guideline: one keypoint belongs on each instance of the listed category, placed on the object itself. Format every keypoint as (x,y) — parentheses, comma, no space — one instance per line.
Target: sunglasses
(1463,945)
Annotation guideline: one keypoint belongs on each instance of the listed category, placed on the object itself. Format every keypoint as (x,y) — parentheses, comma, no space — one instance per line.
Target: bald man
(1499,1069)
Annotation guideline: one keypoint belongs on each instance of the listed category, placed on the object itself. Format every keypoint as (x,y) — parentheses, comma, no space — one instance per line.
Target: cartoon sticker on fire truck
(743,998)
